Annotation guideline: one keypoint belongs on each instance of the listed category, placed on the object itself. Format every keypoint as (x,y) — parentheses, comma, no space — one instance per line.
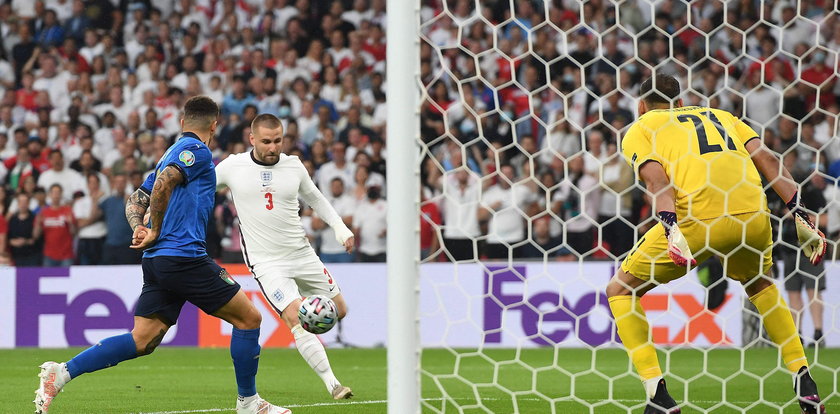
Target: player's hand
(349,244)
(678,249)
(811,239)
(143,238)
(344,237)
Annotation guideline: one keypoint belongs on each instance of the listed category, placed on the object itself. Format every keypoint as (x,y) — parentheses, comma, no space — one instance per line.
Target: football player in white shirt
(265,185)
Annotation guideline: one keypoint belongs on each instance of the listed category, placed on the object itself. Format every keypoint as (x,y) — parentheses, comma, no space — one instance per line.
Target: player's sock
(107,353)
(651,385)
(245,351)
(312,350)
(634,331)
(779,325)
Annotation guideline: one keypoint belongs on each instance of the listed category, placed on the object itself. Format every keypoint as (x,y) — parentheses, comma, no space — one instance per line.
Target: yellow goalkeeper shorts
(743,242)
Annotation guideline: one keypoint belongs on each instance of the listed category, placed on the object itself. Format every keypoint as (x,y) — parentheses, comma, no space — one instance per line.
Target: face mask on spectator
(284,112)
(373,193)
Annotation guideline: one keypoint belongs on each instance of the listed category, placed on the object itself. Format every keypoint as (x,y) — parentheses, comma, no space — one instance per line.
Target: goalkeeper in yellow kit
(701,167)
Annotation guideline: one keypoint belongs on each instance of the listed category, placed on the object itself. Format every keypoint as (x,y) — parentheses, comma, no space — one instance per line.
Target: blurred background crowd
(522,115)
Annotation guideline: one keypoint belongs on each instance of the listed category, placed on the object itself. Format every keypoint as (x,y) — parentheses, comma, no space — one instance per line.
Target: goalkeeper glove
(811,239)
(678,249)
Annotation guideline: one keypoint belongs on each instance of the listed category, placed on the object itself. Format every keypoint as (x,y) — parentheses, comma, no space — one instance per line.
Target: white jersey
(266,200)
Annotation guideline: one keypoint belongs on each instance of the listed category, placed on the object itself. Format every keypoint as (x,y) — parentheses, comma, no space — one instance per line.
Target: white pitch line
(372,402)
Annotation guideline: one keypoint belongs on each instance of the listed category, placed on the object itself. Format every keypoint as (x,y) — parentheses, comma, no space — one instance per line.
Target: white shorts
(283,282)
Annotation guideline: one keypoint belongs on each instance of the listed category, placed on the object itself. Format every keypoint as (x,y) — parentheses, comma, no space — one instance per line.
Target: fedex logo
(542,309)
(44,301)
(547,318)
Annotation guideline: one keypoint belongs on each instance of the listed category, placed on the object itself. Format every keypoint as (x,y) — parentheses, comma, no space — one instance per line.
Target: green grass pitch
(188,380)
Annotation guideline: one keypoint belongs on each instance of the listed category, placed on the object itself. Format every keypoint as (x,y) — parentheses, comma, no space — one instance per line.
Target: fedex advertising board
(492,305)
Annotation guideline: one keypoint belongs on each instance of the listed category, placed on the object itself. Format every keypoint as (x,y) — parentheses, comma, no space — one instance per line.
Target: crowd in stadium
(523,137)
(534,102)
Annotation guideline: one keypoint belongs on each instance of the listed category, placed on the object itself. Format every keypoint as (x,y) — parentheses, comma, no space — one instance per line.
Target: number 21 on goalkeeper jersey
(702,151)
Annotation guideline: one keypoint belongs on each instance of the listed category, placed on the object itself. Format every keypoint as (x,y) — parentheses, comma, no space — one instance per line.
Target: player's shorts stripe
(245,249)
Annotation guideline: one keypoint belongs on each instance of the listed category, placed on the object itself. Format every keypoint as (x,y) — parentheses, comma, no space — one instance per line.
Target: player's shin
(245,352)
(779,325)
(107,353)
(312,350)
(634,331)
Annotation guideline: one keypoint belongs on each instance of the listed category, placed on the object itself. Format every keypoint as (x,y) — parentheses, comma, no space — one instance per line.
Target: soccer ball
(317,314)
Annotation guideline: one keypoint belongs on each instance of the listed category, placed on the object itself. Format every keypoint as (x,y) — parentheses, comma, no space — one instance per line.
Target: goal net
(528,206)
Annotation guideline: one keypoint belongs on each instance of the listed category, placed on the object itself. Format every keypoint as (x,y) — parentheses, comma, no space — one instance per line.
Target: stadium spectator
(330,250)
(461,191)
(55,222)
(24,247)
(116,248)
(67,178)
(370,226)
(92,228)
(505,205)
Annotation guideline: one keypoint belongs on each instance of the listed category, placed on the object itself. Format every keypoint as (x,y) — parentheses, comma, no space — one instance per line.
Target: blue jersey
(185,222)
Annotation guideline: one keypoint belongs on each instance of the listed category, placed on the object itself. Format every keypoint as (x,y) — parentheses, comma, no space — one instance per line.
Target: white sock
(312,350)
(248,400)
(650,386)
(65,374)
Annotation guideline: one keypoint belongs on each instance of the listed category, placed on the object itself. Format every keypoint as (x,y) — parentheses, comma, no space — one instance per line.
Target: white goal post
(403,129)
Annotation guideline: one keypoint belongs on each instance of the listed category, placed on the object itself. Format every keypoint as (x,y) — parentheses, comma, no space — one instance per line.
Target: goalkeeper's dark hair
(200,112)
(660,90)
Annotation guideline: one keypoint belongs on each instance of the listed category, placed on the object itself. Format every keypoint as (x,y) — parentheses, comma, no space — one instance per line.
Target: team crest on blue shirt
(265,177)
(187,157)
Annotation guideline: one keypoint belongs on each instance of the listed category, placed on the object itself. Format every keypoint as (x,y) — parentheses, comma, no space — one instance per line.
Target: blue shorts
(169,281)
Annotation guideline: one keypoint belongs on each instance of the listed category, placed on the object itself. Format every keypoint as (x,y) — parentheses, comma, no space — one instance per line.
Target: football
(317,314)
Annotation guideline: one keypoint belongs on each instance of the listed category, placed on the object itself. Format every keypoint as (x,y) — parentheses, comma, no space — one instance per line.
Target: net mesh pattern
(528,205)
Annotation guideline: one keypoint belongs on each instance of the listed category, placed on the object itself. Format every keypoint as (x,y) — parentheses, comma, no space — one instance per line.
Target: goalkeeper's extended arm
(662,192)
(811,239)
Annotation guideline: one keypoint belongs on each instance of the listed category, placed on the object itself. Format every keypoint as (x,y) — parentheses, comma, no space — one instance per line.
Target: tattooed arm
(165,182)
(135,207)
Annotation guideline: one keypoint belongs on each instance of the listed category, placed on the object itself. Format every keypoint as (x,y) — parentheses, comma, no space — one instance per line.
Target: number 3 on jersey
(269,201)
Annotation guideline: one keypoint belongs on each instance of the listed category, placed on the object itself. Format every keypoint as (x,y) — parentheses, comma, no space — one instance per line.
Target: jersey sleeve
(637,147)
(222,172)
(149,183)
(743,132)
(191,160)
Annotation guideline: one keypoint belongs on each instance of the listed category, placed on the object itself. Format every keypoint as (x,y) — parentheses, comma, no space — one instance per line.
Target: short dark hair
(660,89)
(200,112)
(266,120)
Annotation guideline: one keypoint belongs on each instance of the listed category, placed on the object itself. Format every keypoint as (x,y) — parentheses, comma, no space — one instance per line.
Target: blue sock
(107,353)
(245,351)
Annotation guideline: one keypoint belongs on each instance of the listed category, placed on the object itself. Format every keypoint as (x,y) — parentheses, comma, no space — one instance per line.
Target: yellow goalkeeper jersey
(702,151)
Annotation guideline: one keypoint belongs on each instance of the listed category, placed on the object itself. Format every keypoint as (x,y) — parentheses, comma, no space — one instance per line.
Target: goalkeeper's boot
(257,405)
(53,377)
(662,403)
(806,390)
(340,392)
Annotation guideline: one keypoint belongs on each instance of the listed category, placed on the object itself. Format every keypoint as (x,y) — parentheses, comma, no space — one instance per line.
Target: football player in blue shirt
(179,195)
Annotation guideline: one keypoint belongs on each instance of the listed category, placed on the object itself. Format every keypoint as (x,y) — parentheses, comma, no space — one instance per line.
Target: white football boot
(53,378)
(258,405)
